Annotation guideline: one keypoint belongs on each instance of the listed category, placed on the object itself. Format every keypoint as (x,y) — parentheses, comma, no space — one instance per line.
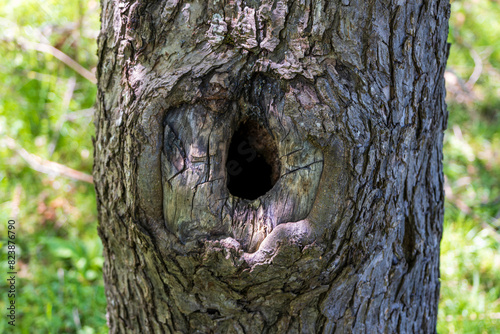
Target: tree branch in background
(62,57)
(73,116)
(478,68)
(45,166)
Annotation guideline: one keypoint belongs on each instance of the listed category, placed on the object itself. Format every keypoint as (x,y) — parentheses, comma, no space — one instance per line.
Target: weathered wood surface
(351,93)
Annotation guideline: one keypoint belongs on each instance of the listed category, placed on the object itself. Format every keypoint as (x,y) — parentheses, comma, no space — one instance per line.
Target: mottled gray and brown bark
(346,100)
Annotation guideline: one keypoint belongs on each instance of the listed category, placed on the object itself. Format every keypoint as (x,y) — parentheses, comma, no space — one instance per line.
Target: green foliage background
(46,109)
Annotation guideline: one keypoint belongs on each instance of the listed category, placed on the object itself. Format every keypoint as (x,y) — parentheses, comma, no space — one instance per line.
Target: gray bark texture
(342,99)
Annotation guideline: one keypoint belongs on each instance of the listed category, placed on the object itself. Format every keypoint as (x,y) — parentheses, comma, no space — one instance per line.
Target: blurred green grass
(46,109)
(470,248)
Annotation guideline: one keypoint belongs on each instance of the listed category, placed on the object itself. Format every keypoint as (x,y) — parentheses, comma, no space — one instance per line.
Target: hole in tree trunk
(252,163)
(213,311)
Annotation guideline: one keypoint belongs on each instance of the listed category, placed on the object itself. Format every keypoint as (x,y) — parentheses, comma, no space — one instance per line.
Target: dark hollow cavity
(252,163)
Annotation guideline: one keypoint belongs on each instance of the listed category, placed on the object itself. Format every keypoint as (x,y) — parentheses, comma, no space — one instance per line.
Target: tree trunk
(271,166)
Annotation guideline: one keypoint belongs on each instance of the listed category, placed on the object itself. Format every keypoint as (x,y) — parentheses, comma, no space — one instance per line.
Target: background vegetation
(46,107)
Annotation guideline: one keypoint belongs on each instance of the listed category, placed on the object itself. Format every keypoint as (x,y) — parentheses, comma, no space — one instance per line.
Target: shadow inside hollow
(252,164)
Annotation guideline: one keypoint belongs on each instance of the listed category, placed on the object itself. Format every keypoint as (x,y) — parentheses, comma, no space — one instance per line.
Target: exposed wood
(347,239)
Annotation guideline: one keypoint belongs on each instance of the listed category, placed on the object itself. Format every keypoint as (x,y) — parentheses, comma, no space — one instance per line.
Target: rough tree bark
(342,100)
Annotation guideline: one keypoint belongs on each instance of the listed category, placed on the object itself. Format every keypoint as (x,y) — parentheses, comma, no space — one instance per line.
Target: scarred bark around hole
(343,100)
